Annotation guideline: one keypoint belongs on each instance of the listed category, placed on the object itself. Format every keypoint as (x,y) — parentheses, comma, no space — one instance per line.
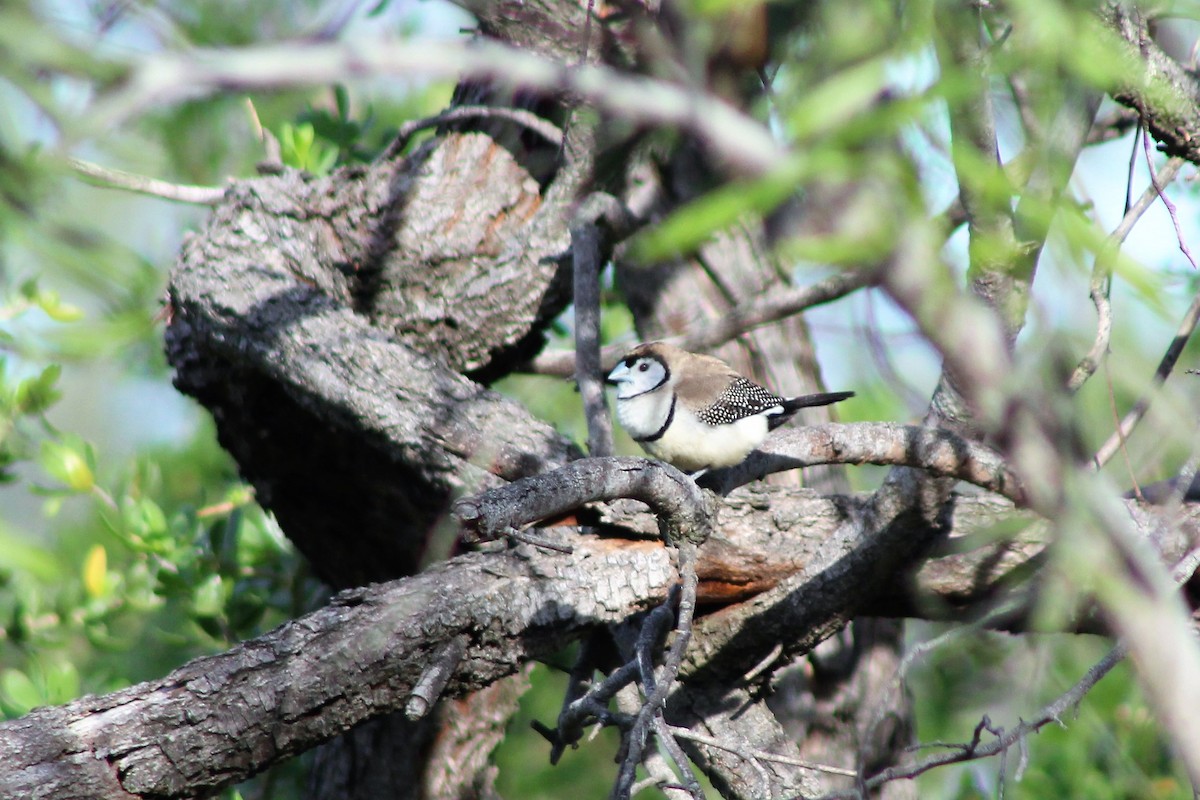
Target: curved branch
(684,511)
(120,179)
(365,653)
(1103,269)
(743,143)
(320,675)
(938,451)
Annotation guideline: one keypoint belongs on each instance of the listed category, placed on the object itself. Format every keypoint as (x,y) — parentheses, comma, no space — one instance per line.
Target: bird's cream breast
(644,415)
(692,445)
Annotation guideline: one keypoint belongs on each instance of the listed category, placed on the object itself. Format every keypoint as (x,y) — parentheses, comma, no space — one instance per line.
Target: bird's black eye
(642,367)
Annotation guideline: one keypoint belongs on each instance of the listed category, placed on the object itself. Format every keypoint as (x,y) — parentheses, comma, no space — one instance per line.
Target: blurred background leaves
(129,545)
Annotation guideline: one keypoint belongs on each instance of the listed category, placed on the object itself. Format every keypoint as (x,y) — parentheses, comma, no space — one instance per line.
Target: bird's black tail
(793,404)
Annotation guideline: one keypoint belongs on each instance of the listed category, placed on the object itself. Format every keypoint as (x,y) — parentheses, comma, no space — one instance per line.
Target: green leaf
(68,465)
(835,102)
(53,306)
(208,600)
(62,682)
(342,98)
(23,557)
(687,228)
(19,692)
(36,395)
(325,162)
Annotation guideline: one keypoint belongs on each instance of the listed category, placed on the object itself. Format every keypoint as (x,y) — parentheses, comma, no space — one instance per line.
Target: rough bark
(1163,92)
(360,656)
(338,425)
(327,324)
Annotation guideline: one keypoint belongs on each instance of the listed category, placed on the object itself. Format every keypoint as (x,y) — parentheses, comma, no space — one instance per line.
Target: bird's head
(641,371)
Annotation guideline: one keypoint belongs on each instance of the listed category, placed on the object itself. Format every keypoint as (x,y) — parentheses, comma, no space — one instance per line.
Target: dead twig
(1102,272)
(519,116)
(140,184)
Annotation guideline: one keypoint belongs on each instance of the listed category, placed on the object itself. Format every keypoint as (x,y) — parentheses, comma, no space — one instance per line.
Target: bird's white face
(638,376)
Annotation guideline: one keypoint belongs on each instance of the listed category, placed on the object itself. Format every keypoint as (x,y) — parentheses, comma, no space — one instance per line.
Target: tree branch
(1103,270)
(939,452)
(1159,88)
(684,512)
(740,141)
(120,179)
(589,251)
(364,654)
(765,308)
(976,748)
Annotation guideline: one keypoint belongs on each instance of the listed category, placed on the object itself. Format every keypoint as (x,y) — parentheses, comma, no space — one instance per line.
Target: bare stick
(120,179)
(1174,213)
(1187,326)
(592,704)
(764,309)
(745,144)
(976,749)
(588,259)
(437,674)
(527,119)
(935,450)
(678,757)
(652,708)
(1180,574)
(1098,288)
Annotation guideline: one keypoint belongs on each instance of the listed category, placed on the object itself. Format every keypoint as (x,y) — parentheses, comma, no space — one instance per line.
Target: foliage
(1107,747)
(120,560)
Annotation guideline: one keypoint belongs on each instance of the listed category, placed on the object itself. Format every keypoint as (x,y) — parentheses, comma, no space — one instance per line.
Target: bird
(695,411)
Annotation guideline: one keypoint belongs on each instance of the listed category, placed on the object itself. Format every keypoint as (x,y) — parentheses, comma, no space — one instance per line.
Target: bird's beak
(619,375)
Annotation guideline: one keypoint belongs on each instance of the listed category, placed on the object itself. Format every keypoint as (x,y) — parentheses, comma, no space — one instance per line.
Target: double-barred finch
(694,411)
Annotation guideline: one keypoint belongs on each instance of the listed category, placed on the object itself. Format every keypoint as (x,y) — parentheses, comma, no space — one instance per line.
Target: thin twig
(763,309)
(752,755)
(527,119)
(976,749)
(1102,273)
(587,257)
(120,179)
(658,772)
(592,705)
(677,756)
(652,708)
(580,700)
(1187,326)
(1171,210)
(1129,172)
(1183,570)
(1113,125)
